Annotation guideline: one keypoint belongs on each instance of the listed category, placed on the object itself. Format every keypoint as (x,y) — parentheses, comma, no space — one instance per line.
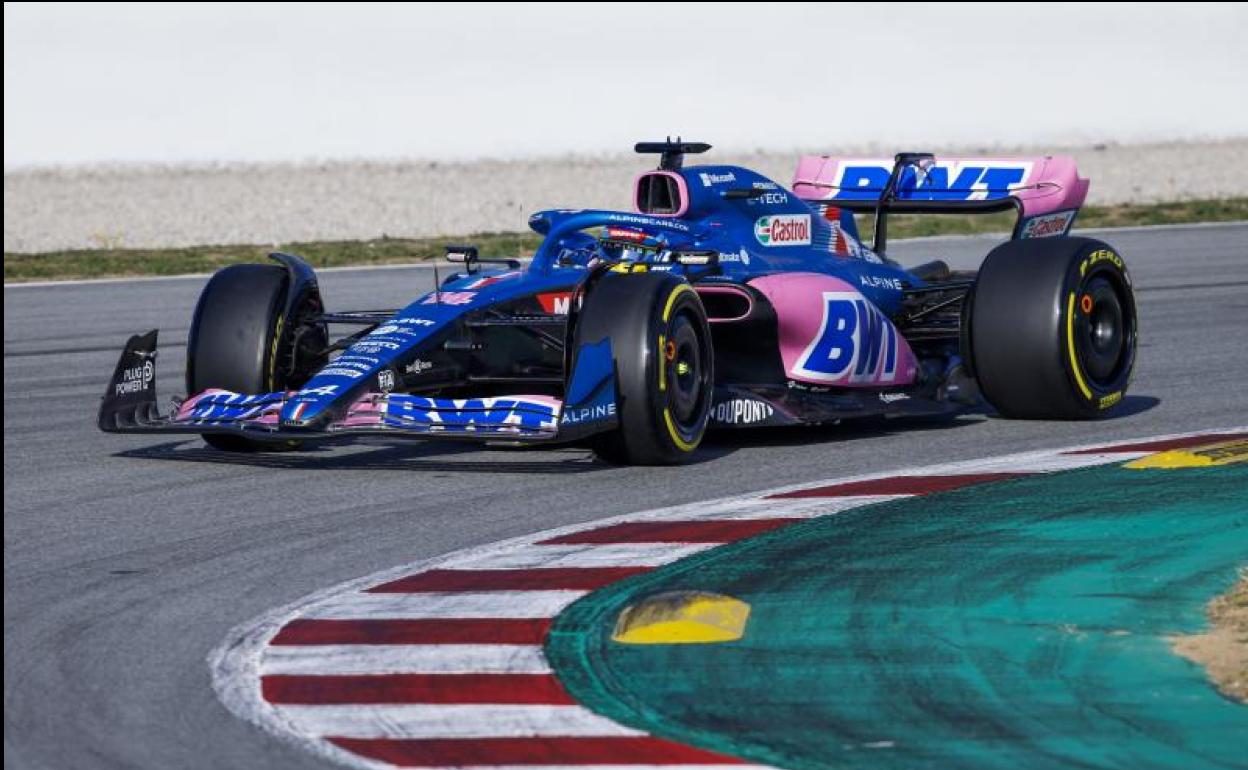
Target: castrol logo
(783,230)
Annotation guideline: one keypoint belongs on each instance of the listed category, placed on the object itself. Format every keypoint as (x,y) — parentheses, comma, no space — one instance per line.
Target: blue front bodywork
(411,330)
(730,210)
(495,353)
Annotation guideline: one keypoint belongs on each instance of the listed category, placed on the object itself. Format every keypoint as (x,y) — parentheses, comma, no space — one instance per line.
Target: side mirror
(472,260)
(465,255)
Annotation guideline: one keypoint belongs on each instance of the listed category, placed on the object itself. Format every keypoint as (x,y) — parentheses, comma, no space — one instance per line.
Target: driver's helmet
(625,244)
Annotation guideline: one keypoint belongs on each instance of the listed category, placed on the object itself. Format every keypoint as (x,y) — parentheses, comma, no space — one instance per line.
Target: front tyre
(664,366)
(1053,328)
(241,340)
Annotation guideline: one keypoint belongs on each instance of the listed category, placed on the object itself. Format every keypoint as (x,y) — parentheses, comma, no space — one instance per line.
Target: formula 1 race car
(724,300)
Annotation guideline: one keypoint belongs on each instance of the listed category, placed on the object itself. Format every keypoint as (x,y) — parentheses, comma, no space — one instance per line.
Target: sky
(104,83)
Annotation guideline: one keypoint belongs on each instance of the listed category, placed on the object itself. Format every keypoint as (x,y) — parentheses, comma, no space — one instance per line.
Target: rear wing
(1045,191)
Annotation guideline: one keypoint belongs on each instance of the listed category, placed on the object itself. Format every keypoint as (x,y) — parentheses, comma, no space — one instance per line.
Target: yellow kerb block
(1221,453)
(682,617)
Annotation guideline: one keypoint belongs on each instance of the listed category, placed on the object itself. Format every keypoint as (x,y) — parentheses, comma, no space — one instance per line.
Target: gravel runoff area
(1223,649)
(158,206)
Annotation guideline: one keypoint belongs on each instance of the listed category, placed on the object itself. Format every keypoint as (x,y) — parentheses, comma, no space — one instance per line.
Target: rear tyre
(664,366)
(1053,328)
(240,340)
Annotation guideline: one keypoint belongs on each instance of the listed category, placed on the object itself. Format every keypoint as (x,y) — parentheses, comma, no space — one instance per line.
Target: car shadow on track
(426,457)
(724,441)
(1133,405)
(1128,407)
(439,457)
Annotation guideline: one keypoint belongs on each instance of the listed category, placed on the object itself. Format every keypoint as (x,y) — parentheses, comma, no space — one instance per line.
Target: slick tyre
(1052,332)
(664,366)
(239,341)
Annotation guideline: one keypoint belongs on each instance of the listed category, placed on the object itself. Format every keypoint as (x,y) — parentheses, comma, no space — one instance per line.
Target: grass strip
(121,262)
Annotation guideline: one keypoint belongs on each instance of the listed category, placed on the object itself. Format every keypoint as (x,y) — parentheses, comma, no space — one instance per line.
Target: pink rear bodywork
(1051,182)
(803,303)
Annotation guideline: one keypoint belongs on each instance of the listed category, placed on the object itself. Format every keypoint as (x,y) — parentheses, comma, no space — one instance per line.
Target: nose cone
(307,406)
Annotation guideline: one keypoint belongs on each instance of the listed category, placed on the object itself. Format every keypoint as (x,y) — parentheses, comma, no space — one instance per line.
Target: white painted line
(532,556)
(452,721)
(1005,236)
(404,659)
(460,604)
(1059,462)
(691,766)
(1021,462)
(102,281)
(793,508)
(1149,228)
(423,266)
(188,276)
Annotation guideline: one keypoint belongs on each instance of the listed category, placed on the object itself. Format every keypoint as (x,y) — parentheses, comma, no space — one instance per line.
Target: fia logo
(385,380)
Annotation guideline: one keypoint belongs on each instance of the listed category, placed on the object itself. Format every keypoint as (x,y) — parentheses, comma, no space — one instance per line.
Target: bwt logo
(474,412)
(855,343)
(944,181)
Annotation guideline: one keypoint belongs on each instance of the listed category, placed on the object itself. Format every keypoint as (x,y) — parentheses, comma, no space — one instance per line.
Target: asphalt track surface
(127,559)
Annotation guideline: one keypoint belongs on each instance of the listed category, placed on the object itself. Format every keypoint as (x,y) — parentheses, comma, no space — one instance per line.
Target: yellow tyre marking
(671,300)
(662,364)
(1102,255)
(271,374)
(1070,346)
(684,446)
(1211,455)
(682,617)
(1106,402)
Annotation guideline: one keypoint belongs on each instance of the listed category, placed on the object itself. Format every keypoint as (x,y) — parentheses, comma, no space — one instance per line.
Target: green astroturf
(1015,625)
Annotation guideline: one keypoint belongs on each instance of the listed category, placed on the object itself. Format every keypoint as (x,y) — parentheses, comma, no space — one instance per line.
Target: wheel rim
(685,374)
(1103,331)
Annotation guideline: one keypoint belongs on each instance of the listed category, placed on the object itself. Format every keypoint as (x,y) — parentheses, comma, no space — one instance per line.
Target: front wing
(129,406)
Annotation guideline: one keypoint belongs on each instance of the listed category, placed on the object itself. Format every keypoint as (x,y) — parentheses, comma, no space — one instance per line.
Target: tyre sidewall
(636,311)
(236,330)
(1022,326)
(235,339)
(1098,259)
